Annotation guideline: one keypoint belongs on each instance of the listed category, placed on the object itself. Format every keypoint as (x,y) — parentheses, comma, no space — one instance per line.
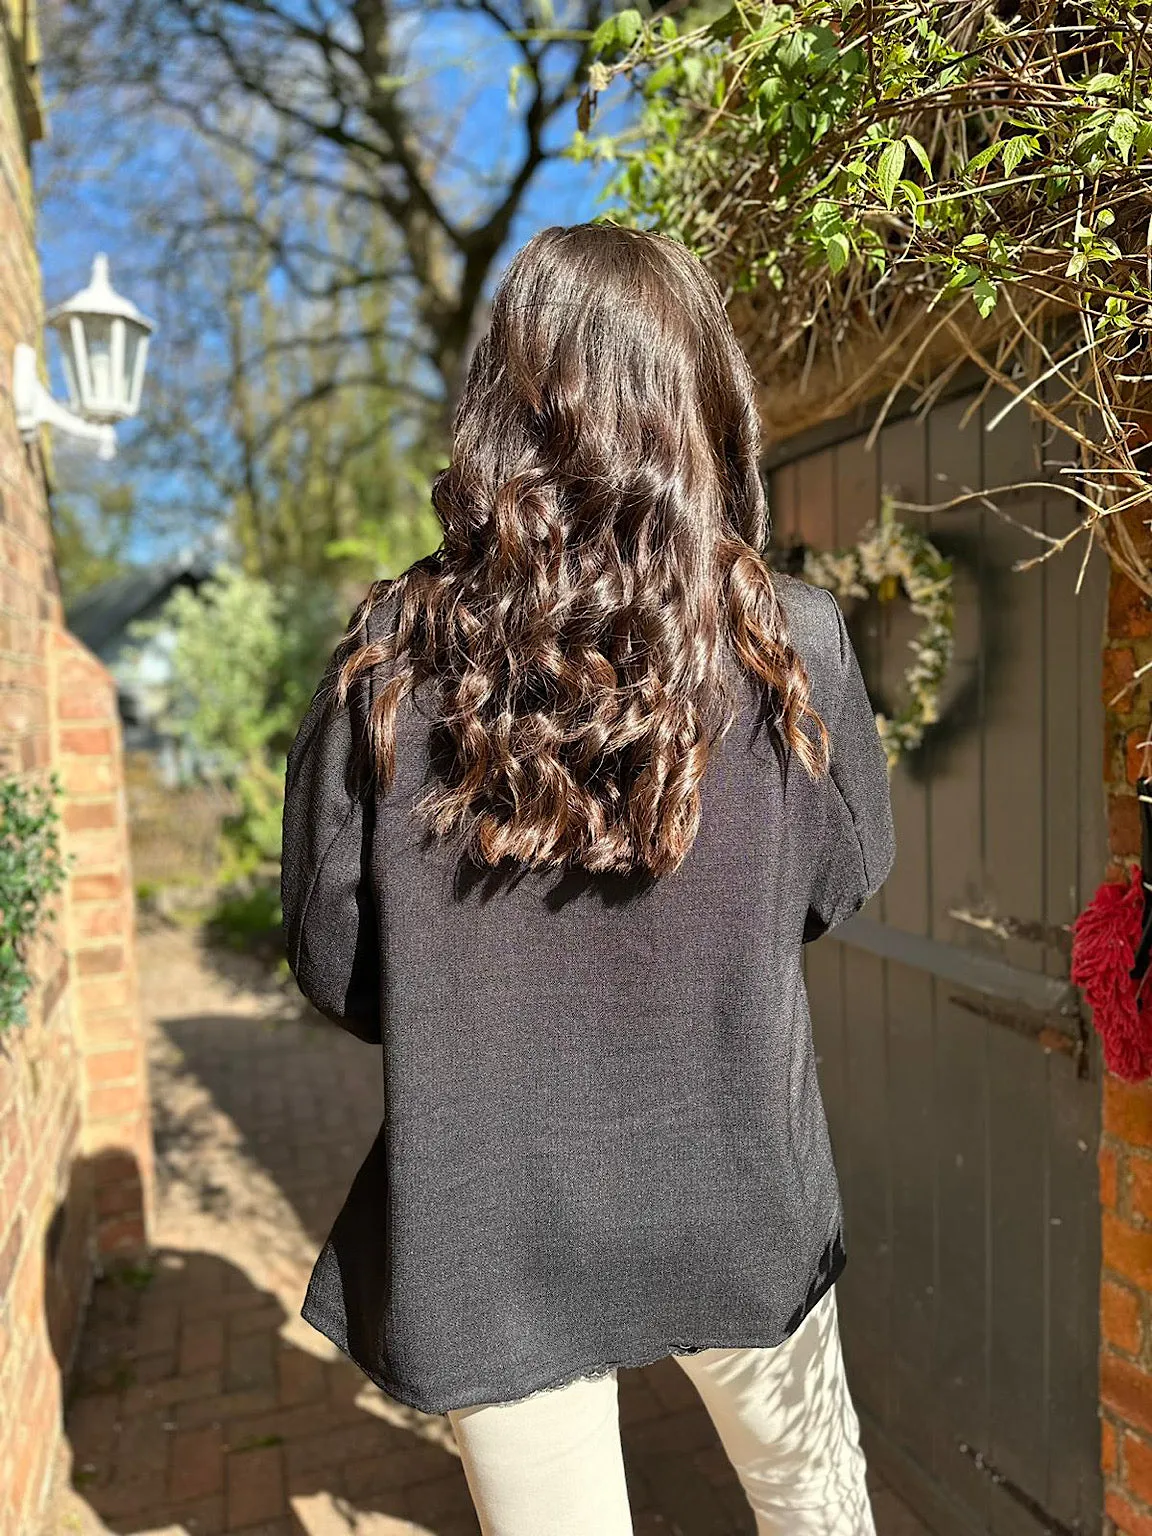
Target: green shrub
(247,917)
(31,870)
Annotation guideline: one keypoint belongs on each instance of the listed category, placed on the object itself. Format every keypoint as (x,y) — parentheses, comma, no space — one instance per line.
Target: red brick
(98,887)
(101,921)
(1139,1184)
(197,1465)
(90,776)
(1128,1110)
(255,1486)
(102,961)
(1127,1389)
(1138,1467)
(1120,1316)
(78,668)
(81,703)
(111,1103)
(118,1027)
(1127,1250)
(1129,615)
(1128,1519)
(301,1377)
(201,1344)
(113,1066)
(99,848)
(100,994)
(81,817)
(100,740)
(1123,825)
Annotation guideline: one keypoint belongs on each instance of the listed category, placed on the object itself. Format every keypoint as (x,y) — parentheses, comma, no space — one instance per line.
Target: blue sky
(102,178)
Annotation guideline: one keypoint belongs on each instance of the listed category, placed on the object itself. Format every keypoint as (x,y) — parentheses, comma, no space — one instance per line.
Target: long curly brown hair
(603,524)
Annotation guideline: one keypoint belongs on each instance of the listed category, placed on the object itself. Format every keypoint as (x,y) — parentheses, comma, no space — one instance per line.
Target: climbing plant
(31,870)
(955,182)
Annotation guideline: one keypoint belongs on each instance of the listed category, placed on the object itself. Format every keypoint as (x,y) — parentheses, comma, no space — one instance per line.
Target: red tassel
(1104,941)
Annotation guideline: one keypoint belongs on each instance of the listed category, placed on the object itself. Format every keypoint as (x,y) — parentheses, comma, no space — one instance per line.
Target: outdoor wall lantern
(104,345)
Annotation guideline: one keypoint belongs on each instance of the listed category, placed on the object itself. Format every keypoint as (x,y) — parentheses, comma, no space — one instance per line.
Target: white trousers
(551,1464)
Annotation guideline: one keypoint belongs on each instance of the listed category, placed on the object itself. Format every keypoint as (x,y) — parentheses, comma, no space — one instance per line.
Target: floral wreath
(890,556)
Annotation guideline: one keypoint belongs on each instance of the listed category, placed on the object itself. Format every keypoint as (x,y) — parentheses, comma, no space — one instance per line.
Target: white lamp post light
(104,344)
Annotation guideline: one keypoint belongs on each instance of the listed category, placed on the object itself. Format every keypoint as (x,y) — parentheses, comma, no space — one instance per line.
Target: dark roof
(103,614)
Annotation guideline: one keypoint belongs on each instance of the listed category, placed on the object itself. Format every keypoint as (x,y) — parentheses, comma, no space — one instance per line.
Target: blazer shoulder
(814,622)
(380,608)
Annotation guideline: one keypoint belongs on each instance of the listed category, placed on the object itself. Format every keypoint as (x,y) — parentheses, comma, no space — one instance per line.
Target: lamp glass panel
(98,333)
(132,336)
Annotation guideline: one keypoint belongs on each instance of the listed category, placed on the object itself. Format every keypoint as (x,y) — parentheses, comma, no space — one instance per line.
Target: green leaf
(985,293)
(919,151)
(1017,149)
(836,248)
(629,25)
(913,192)
(889,170)
(825,219)
(1122,131)
(983,158)
(668,32)
(604,36)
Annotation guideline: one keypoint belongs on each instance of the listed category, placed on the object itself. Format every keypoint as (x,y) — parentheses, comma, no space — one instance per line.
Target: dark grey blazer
(602,1136)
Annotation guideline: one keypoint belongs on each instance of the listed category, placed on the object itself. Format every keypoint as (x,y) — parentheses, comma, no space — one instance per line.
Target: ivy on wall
(31,870)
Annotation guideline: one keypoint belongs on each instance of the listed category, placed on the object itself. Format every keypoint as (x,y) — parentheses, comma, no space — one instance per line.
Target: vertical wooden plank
(1074,1494)
(783,506)
(910,1123)
(1018,1115)
(867,1279)
(960,1367)
(1015,815)
(1015,695)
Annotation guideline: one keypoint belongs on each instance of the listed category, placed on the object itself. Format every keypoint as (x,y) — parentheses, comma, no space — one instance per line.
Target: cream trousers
(551,1464)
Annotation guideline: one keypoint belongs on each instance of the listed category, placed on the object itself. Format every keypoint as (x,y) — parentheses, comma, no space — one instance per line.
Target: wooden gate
(961,1084)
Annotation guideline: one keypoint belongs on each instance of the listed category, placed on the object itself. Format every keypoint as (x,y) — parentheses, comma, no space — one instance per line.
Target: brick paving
(203,1404)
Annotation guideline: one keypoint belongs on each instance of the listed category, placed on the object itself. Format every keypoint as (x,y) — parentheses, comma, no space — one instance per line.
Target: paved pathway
(203,1404)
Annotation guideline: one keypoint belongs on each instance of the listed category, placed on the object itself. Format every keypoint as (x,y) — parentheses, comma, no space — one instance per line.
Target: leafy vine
(888,189)
(32,869)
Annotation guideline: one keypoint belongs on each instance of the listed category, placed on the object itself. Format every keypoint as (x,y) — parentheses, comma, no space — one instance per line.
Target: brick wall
(1126,1143)
(74,1142)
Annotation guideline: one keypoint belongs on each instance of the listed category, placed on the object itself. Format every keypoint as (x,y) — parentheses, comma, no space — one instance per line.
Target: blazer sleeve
(857,849)
(326,888)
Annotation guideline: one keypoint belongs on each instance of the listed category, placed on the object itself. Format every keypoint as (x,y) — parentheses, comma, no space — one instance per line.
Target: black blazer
(602,1137)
